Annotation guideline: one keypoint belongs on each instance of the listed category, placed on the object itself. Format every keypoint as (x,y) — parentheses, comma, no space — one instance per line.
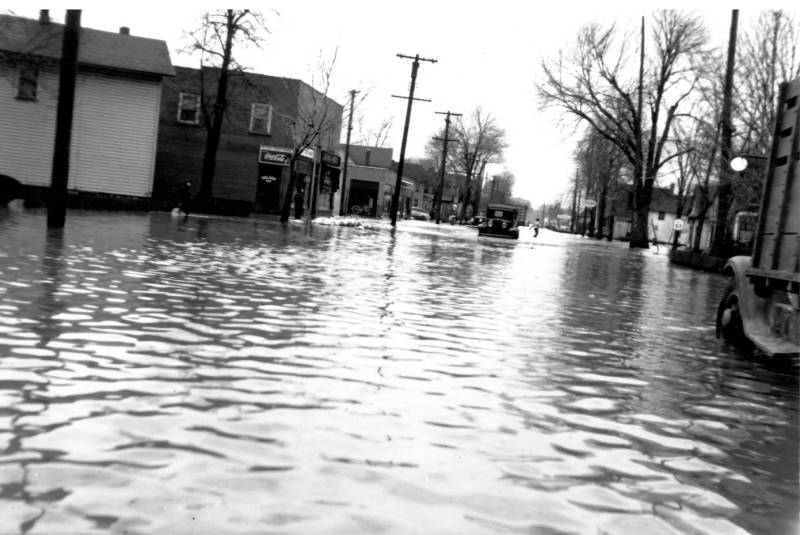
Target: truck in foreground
(760,307)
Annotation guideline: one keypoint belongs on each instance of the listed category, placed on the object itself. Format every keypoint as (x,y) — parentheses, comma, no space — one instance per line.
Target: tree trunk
(573,221)
(583,223)
(639,225)
(287,199)
(638,238)
(220,103)
(700,221)
(601,209)
(462,210)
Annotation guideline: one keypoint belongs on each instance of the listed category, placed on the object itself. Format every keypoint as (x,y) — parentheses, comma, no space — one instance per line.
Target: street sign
(678,225)
(590,203)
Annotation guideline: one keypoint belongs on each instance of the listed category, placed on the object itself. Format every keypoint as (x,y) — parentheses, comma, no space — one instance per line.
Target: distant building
(252,171)
(660,220)
(115,116)
(419,186)
(370,181)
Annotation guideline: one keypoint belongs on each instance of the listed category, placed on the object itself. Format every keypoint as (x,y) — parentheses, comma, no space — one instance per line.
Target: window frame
(253,118)
(28,86)
(183,97)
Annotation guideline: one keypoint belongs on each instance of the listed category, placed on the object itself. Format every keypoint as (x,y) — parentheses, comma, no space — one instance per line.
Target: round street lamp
(739,164)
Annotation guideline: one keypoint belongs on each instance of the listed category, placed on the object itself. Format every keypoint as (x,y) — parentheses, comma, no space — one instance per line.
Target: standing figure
(536,228)
(185,198)
(299,198)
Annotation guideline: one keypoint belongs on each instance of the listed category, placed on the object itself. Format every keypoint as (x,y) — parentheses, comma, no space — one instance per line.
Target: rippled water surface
(233,376)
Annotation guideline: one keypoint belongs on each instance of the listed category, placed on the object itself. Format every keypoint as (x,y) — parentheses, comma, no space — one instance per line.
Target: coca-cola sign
(274,156)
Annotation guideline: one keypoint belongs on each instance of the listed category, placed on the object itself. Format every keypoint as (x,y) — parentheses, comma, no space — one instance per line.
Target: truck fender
(747,302)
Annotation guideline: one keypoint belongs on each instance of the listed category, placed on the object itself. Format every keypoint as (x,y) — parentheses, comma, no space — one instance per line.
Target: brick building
(252,166)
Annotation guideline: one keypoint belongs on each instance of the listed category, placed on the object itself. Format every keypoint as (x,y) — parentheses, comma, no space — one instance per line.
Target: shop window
(260,118)
(189,108)
(27,81)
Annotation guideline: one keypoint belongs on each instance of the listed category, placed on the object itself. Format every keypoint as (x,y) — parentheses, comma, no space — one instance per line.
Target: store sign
(274,156)
(269,179)
(328,158)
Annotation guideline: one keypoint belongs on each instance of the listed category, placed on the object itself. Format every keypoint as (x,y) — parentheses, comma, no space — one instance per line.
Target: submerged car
(501,222)
(419,214)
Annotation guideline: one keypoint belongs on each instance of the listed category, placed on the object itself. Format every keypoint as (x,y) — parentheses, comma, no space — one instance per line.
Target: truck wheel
(729,318)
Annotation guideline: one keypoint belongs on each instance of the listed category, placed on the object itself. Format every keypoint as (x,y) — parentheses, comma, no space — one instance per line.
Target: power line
(401,163)
(447,115)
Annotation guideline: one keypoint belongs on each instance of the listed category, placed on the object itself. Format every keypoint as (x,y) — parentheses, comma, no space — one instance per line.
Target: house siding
(114,135)
(113,144)
(28,128)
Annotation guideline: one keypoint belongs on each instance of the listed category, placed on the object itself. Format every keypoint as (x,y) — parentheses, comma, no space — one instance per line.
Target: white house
(660,220)
(115,117)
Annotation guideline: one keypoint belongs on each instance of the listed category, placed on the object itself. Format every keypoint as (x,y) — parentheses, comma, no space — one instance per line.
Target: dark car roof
(502,207)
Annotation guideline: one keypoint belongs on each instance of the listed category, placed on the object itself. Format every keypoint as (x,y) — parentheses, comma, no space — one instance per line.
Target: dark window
(27,81)
(661,216)
(260,118)
(189,108)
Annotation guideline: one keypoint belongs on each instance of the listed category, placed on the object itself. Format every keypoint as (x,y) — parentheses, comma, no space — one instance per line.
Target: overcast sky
(487,55)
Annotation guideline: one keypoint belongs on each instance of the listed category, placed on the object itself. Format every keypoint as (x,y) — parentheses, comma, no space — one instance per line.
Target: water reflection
(239,376)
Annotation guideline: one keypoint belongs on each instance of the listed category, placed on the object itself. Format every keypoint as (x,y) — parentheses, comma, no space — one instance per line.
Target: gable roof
(662,200)
(96,48)
(378,156)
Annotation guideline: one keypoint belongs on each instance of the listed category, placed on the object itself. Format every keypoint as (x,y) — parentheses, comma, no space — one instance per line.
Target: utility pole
(399,182)
(720,245)
(57,202)
(343,189)
(447,115)
(573,222)
(640,179)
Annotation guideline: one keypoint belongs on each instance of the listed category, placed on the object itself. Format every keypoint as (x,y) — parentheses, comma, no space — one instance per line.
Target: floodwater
(234,376)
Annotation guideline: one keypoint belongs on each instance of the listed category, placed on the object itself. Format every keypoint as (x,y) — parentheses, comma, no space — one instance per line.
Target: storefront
(328,182)
(273,170)
(273,177)
(363,198)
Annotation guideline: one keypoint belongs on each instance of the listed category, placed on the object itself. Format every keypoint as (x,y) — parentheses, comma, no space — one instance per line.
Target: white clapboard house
(116,109)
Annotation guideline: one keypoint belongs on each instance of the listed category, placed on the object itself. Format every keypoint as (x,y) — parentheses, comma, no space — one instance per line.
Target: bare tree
(499,187)
(375,135)
(599,162)
(317,123)
(691,139)
(768,55)
(593,85)
(214,40)
(480,141)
